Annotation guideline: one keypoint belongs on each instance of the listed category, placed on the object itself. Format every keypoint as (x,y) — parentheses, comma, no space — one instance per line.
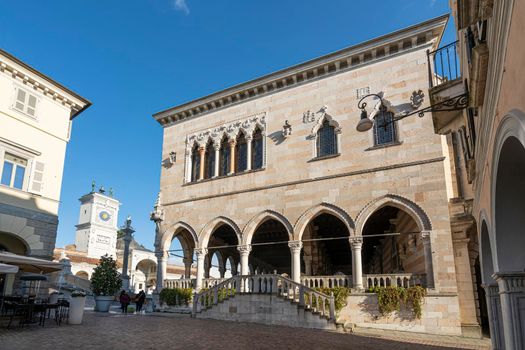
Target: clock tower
(97,224)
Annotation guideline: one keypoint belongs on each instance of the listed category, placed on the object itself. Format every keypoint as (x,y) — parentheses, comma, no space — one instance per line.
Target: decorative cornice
(231,130)
(398,42)
(48,87)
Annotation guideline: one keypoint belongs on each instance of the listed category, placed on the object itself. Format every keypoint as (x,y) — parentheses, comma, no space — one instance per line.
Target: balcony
(448,95)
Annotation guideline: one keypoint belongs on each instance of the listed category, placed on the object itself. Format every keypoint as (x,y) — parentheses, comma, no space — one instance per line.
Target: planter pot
(53,298)
(103,302)
(76,310)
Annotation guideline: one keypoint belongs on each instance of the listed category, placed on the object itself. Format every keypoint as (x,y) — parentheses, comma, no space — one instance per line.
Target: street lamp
(365,123)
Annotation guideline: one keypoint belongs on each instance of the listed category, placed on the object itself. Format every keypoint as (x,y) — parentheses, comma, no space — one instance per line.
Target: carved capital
(232,142)
(295,246)
(356,242)
(244,249)
(201,252)
(425,236)
(161,255)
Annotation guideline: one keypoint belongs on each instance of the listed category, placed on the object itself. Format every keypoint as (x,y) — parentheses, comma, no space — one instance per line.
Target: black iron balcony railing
(443,64)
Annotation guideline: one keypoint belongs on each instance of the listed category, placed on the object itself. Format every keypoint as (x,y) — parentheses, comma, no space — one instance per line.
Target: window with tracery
(195,163)
(224,155)
(326,140)
(209,161)
(384,128)
(257,149)
(241,154)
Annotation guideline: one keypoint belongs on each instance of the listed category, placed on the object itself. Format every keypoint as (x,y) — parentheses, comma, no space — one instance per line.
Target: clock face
(104,215)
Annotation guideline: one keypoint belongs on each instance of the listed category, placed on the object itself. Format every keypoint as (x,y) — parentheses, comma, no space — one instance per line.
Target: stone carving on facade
(231,130)
(417,98)
(310,117)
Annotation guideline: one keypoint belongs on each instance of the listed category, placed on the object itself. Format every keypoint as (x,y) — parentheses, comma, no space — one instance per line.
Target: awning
(30,264)
(4,268)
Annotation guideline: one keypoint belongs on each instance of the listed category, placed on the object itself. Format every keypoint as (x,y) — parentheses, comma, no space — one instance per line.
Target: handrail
(266,284)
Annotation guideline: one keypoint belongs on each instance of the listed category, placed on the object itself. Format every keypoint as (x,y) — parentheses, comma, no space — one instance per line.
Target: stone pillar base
(471,330)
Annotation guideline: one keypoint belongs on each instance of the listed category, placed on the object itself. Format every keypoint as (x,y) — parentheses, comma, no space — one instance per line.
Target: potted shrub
(76,307)
(105,283)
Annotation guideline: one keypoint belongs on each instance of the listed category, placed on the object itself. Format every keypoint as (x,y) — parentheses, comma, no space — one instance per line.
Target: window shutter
(20,99)
(37,178)
(31,105)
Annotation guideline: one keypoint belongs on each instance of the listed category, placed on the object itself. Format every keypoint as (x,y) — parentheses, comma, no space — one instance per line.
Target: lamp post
(128,236)
(365,123)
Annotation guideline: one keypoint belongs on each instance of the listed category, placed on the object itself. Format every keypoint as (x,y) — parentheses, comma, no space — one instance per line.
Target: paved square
(115,331)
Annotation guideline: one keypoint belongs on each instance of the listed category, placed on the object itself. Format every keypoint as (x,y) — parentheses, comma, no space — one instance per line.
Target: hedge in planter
(390,298)
(176,296)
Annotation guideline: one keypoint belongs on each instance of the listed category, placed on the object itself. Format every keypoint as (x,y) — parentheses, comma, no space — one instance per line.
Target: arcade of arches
(392,242)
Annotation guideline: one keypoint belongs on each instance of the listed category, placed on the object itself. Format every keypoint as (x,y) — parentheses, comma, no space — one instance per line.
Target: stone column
(217,148)
(307,265)
(295,250)
(244,252)
(232,156)
(466,294)
(357,266)
(494,315)
(429,269)
(128,231)
(188,164)
(512,293)
(201,255)
(161,270)
(202,153)
(187,267)
(249,153)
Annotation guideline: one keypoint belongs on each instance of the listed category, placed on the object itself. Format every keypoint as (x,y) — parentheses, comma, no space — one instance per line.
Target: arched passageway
(222,245)
(270,251)
(392,244)
(326,251)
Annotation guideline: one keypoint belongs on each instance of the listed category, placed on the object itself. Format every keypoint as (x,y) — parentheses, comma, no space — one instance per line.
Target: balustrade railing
(180,283)
(271,284)
(443,64)
(327,281)
(394,279)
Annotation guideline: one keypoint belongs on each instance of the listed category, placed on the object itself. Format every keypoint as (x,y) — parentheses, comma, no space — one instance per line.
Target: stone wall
(440,315)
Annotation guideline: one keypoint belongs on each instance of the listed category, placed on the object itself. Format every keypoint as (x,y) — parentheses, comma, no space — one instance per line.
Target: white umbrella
(4,268)
(30,264)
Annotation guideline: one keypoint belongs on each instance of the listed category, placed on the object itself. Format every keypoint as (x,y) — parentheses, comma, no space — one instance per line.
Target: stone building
(487,136)
(272,176)
(36,116)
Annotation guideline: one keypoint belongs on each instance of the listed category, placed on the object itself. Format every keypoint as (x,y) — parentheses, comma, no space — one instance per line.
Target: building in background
(487,139)
(98,234)
(36,116)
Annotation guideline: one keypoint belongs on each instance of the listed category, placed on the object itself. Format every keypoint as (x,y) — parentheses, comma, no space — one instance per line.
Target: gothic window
(384,128)
(326,140)
(210,161)
(257,149)
(241,154)
(195,163)
(224,157)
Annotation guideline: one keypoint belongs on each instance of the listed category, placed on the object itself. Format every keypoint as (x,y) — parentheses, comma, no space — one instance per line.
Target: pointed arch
(411,208)
(325,117)
(190,240)
(259,219)
(322,208)
(208,229)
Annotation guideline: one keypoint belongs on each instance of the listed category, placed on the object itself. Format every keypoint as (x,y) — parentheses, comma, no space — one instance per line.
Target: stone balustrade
(394,279)
(327,281)
(180,283)
(272,284)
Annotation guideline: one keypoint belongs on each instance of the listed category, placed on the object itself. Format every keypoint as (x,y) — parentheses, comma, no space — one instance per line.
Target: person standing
(139,300)
(124,301)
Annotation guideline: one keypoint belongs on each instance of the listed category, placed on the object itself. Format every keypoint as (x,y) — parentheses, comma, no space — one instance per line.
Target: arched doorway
(12,244)
(270,251)
(392,246)
(82,274)
(326,251)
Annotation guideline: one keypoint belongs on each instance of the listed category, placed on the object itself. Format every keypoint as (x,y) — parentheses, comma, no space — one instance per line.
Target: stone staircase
(267,299)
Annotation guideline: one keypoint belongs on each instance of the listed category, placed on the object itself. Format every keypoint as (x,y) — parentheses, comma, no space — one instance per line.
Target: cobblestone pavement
(158,331)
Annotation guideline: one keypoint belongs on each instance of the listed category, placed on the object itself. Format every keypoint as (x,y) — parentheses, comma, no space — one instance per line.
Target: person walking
(124,301)
(139,300)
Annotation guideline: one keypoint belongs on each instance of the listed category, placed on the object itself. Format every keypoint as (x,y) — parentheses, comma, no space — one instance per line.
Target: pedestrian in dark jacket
(139,300)
(124,301)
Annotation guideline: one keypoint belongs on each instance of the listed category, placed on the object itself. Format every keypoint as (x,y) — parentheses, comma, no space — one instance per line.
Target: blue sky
(134,58)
